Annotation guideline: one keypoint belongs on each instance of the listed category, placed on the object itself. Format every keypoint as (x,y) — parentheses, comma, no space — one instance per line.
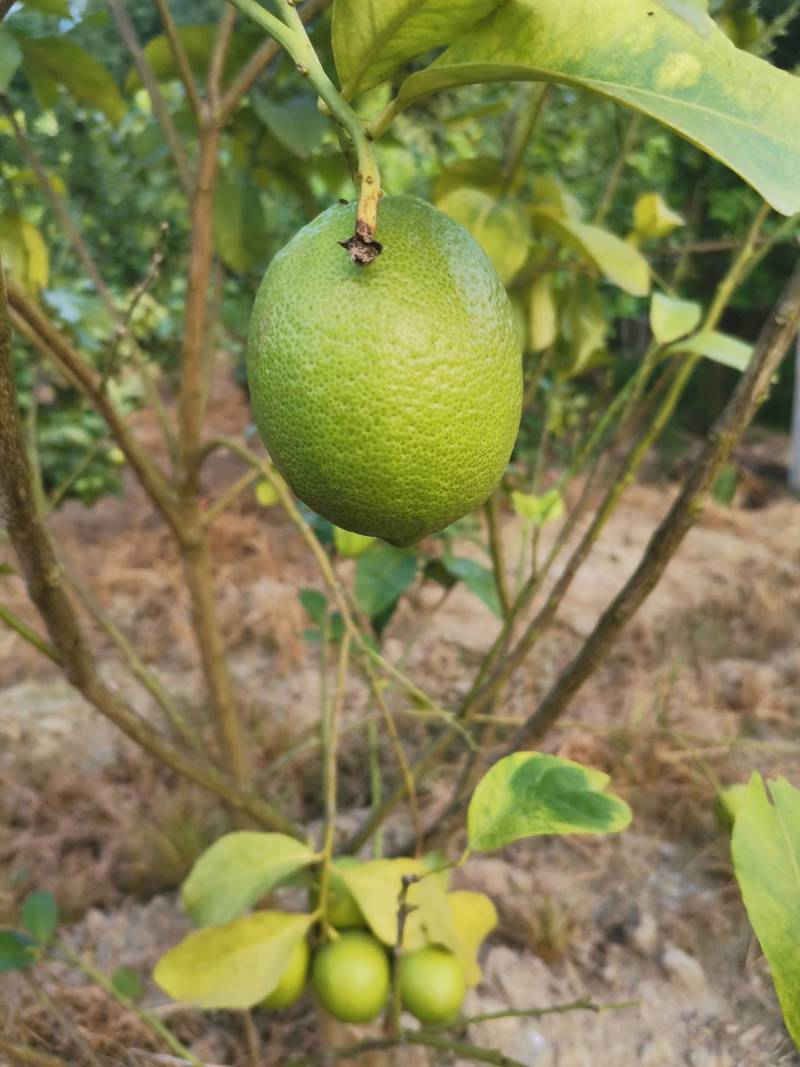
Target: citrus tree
(394,346)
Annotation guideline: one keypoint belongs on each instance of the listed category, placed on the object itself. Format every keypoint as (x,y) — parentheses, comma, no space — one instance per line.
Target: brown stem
(258,63)
(181,58)
(127,32)
(752,390)
(38,329)
(45,584)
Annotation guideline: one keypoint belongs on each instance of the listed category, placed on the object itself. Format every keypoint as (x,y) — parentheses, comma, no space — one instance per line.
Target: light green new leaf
(530,793)
(538,509)
(10,58)
(542,314)
(232,966)
(371,38)
(53,61)
(237,871)
(501,228)
(653,217)
(766,859)
(474,918)
(620,262)
(671,318)
(735,106)
(719,347)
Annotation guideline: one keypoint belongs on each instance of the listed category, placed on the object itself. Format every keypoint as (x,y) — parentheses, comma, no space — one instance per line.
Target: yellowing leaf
(474,918)
(376,887)
(24,252)
(738,108)
(543,314)
(237,870)
(619,261)
(653,217)
(371,38)
(266,495)
(232,966)
(530,793)
(501,228)
(671,318)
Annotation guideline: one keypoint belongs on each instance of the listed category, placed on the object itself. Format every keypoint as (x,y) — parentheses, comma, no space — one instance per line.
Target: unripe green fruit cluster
(352,977)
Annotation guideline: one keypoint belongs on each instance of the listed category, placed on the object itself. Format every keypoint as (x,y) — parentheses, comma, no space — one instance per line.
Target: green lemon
(351,977)
(388,396)
(293,980)
(432,984)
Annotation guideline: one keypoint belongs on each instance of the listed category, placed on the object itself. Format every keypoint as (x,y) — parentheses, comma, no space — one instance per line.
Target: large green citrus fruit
(351,977)
(387,395)
(432,984)
(293,980)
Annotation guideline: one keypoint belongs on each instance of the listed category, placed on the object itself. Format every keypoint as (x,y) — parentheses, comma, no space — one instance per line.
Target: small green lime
(432,984)
(389,395)
(293,980)
(351,977)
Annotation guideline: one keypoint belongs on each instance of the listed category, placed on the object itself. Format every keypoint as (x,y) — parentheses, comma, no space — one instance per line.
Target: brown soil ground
(702,689)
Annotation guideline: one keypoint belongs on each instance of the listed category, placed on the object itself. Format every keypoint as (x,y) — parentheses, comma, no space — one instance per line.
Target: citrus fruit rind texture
(388,396)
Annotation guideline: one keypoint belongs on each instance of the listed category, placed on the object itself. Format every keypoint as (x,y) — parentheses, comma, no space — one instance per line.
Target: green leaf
(198,43)
(530,793)
(232,966)
(548,192)
(474,918)
(239,223)
(482,172)
(58,60)
(10,58)
(620,262)
(24,252)
(127,983)
(719,347)
(15,951)
(538,510)
(49,7)
(349,544)
(296,123)
(40,915)
(738,108)
(237,871)
(671,318)
(584,326)
(501,228)
(382,576)
(371,38)
(478,579)
(653,217)
(542,314)
(766,859)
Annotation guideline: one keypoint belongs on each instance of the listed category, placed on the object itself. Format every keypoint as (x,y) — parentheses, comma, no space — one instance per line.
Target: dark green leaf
(382,576)
(51,61)
(49,7)
(297,123)
(10,58)
(315,604)
(239,223)
(478,579)
(127,983)
(15,951)
(40,915)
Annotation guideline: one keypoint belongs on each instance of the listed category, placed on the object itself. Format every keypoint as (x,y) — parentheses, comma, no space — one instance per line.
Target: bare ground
(701,690)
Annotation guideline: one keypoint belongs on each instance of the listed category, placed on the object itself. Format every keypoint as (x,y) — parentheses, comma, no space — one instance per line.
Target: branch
(44,581)
(227,21)
(127,32)
(27,633)
(497,552)
(181,58)
(258,63)
(58,350)
(750,393)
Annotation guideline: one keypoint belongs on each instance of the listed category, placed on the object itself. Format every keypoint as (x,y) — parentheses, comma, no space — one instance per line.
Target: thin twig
(41,644)
(497,552)
(227,21)
(127,32)
(628,141)
(181,59)
(331,716)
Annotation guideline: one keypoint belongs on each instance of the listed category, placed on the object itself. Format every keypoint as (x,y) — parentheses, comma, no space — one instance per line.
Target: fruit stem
(290,33)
